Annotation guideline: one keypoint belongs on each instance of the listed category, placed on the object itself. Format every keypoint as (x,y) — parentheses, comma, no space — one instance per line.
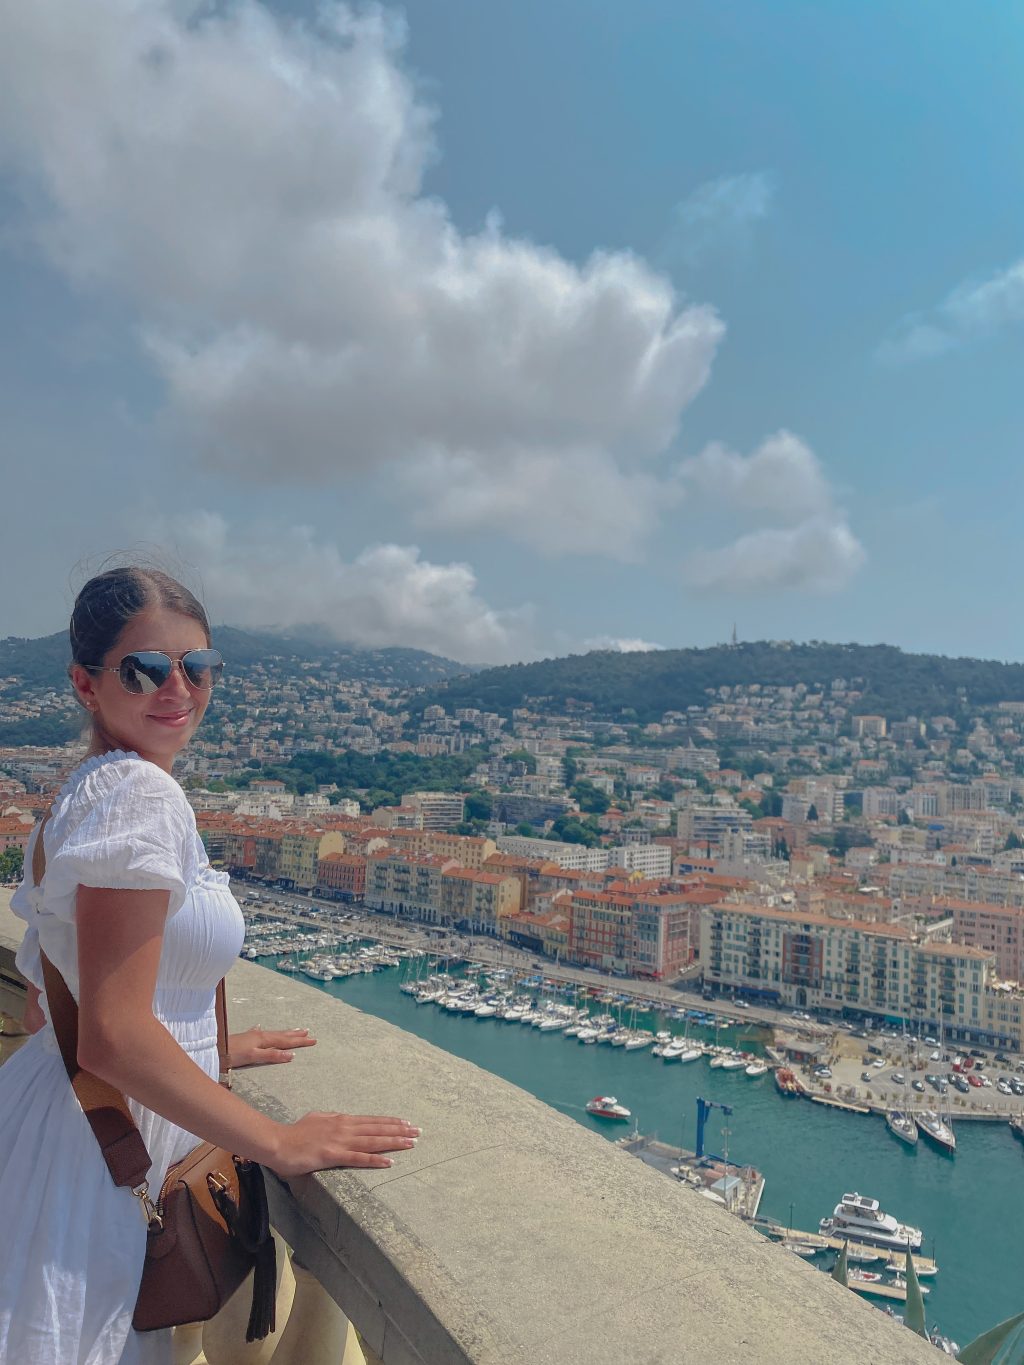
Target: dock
(924,1265)
(737,1188)
(880,1289)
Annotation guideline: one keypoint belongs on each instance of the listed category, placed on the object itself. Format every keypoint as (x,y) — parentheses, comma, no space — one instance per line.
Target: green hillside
(892,683)
(41,664)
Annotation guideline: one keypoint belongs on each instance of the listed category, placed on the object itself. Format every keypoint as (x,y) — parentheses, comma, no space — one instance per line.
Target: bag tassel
(263,1316)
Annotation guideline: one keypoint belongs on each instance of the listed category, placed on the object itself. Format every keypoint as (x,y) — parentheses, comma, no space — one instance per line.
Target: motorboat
(896,1265)
(735,1062)
(756,1069)
(690,1055)
(607,1107)
(859,1219)
(902,1126)
(937,1129)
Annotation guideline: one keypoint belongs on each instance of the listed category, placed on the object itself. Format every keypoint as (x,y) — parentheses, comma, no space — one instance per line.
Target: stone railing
(510,1235)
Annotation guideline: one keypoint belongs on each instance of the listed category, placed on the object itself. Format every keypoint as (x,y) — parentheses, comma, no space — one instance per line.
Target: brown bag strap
(104,1106)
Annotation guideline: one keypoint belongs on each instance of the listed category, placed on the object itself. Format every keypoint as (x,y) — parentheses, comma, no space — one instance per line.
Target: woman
(141,928)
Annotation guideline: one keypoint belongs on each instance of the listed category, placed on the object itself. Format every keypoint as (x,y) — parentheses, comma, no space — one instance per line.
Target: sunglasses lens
(146,671)
(203,667)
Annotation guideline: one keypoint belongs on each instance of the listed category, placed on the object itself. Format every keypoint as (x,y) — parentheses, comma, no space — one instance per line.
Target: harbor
(805,1153)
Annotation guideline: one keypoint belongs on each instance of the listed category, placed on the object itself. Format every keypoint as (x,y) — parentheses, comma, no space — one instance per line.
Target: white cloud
(818,555)
(784,482)
(252,186)
(719,213)
(574,501)
(273,576)
(973,309)
(782,478)
(621,645)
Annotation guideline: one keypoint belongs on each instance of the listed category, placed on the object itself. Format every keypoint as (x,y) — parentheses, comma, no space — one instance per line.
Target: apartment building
(440,810)
(996,929)
(650,860)
(850,967)
(478,901)
(342,876)
(407,884)
(300,854)
(638,931)
(705,826)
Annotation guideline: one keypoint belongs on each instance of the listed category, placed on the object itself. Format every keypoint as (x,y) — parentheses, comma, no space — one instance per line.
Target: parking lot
(891,1073)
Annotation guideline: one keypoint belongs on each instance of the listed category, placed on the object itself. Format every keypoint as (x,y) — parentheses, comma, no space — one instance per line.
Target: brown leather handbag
(210,1224)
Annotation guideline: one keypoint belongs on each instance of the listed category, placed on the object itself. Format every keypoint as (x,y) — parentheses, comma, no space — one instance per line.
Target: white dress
(73,1243)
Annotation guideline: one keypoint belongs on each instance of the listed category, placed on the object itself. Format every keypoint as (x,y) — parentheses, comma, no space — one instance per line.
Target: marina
(805,1153)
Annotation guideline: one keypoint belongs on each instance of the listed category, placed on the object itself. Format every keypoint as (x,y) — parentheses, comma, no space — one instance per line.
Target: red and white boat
(607,1107)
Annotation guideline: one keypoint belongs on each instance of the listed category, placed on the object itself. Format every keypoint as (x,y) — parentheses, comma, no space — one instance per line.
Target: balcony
(511,1235)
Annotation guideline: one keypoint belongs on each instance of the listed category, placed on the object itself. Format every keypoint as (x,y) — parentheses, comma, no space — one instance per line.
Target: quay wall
(511,1235)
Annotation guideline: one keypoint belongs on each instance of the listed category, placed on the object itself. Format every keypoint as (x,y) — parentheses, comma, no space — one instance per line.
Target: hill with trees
(643,686)
(41,664)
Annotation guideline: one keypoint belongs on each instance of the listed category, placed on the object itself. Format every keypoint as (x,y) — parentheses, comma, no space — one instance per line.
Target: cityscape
(589,435)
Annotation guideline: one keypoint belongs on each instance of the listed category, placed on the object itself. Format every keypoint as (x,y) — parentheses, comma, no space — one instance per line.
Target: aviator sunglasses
(147,670)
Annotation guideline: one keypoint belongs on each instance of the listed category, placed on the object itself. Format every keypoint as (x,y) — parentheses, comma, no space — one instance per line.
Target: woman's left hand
(263,1046)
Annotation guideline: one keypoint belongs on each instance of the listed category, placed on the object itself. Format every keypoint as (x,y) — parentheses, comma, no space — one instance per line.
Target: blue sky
(316,314)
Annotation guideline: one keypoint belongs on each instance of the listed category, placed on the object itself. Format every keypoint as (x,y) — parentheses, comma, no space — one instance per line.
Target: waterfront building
(855,967)
(406,884)
(301,849)
(341,876)
(476,900)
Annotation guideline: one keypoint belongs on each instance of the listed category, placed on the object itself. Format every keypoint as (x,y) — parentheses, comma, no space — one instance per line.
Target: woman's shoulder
(118,779)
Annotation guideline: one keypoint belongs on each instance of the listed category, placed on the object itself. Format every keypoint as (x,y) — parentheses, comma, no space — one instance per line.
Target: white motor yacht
(861,1220)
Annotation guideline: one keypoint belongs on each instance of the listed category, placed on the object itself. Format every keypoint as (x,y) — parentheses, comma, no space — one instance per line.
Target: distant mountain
(892,683)
(41,664)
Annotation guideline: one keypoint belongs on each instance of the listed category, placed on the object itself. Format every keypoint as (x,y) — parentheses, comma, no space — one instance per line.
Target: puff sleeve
(23,903)
(129,827)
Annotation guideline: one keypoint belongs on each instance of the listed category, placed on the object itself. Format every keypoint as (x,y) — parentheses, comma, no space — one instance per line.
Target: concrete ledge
(512,1235)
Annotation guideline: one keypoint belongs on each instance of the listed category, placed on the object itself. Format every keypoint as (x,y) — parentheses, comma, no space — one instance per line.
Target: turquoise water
(971,1207)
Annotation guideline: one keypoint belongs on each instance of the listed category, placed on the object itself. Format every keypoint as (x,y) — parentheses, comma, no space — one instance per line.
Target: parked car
(866,1076)
(1017,1085)
(932,1042)
(1003,1086)
(974,1080)
(742,1004)
(935,1056)
(977,1052)
(985,1080)
(1001,1058)
(898,1078)
(961,1084)
(823,1073)
(878,1062)
(918,1085)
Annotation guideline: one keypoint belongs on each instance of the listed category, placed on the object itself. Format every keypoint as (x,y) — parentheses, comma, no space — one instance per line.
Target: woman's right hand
(318,1142)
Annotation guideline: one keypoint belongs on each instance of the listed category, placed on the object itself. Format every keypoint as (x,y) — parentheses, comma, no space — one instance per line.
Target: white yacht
(861,1220)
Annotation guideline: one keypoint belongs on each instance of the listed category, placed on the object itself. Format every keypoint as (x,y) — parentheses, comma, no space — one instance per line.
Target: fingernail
(288,1056)
(388,1161)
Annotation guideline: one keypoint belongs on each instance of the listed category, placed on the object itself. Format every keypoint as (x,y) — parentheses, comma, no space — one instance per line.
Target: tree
(1013,841)
(903,817)
(812,812)
(478,806)
(12,864)
(590,798)
(526,830)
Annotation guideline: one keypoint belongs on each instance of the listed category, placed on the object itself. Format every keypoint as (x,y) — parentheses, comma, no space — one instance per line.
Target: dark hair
(110,600)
